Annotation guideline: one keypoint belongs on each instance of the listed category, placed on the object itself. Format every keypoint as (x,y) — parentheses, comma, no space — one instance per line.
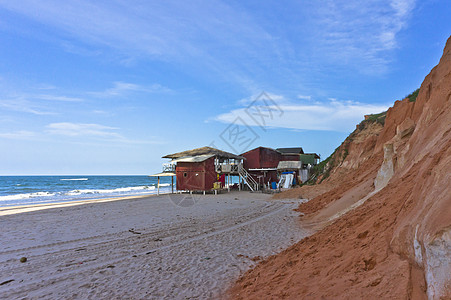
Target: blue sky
(108,87)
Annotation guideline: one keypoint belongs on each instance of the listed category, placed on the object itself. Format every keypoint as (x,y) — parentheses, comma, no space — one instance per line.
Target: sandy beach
(160,247)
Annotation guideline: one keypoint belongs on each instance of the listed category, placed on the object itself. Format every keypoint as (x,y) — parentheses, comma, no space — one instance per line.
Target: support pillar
(158,186)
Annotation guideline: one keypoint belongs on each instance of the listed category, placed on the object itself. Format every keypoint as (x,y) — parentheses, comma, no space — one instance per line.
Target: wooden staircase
(247,178)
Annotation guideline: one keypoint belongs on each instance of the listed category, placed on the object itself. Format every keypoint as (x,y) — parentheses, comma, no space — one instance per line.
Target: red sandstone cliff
(383,215)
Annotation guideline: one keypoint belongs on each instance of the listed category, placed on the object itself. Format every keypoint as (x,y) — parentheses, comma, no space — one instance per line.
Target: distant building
(291,154)
(202,169)
(199,169)
(267,164)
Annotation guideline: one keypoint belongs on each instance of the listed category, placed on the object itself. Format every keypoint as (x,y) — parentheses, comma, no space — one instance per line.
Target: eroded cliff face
(383,214)
(423,229)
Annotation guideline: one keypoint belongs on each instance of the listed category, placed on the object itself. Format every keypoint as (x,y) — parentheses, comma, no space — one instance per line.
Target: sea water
(26,190)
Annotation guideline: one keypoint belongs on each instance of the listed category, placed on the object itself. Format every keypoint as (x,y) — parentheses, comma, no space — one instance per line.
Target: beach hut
(199,169)
(261,163)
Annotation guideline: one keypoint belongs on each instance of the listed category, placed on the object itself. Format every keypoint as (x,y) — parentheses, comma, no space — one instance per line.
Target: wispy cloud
(213,36)
(120,88)
(304,97)
(229,41)
(79,129)
(58,98)
(99,132)
(21,104)
(360,33)
(36,104)
(21,134)
(332,115)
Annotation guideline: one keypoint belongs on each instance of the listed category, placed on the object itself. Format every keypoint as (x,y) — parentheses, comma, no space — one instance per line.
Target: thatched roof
(204,151)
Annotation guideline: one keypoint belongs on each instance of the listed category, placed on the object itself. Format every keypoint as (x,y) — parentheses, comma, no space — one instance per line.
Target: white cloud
(20,104)
(21,134)
(80,129)
(32,103)
(304,97)
(102,133)
(360,34)
(120,88)
(224,39)
(334,115)
(262,96)
(59,98)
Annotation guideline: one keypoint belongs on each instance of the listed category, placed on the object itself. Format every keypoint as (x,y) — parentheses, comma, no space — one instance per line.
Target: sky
(109,87)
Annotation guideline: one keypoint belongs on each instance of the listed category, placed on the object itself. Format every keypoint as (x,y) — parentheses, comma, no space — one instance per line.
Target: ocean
(26,190)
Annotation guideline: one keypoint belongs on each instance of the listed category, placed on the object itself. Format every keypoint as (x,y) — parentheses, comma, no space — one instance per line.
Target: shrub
(413,96)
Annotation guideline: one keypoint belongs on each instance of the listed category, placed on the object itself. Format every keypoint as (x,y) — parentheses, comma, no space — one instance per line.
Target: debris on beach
(23,259)
(6,282)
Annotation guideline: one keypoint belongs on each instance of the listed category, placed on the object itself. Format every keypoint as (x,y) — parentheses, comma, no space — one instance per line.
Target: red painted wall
(260,157)
(269,158)
(196,176)
(294,157)
(252,160)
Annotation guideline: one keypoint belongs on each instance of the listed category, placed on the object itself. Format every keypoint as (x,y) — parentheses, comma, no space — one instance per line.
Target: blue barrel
(274,185)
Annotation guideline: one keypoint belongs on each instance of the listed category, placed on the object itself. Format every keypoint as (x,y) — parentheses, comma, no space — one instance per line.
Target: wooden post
(158,186)
(172,184)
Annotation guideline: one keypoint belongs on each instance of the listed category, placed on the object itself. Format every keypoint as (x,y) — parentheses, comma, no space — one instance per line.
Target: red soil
(397,244)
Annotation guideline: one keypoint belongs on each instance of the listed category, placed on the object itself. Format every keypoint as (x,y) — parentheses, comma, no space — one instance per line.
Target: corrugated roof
(258,148)
(198,158)
(164,174)
(289,165)
(293,150)
(203,151)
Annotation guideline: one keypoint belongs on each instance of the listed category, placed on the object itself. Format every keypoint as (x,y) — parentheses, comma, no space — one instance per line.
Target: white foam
(111,191)
(43,197)
(25,196)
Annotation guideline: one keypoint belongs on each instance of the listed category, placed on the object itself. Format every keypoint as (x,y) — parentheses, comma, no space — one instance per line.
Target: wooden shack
(261,163)
(199,169)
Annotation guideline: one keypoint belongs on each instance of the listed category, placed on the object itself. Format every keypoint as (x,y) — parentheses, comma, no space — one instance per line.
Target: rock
(23,259)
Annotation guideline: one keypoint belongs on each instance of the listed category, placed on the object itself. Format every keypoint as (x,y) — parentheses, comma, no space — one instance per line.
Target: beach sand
(159,247)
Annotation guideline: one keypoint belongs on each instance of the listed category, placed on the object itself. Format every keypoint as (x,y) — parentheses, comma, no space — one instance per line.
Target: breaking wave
(77,194)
